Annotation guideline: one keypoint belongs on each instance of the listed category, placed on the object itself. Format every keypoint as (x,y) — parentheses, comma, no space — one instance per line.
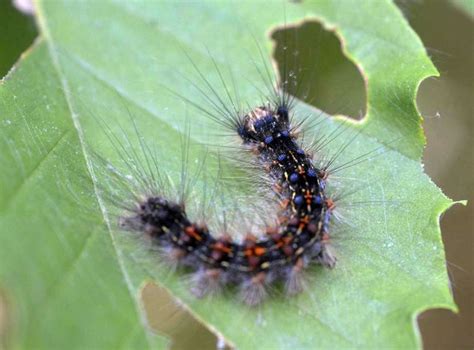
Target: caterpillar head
(263,125)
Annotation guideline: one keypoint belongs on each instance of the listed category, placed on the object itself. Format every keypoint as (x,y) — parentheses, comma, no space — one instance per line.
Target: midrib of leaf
(74,117)
(122,93)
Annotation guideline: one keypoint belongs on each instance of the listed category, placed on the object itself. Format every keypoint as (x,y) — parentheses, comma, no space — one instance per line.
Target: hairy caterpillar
(276,253)
(286,249)
(353,263)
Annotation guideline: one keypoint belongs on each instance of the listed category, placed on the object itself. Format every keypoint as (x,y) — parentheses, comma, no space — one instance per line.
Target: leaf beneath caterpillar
(69,280)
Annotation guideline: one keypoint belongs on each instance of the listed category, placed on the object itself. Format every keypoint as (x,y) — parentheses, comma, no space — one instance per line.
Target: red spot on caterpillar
(330,204)
(303,222)
(222,247)
(191,232)
(277,188)
(259,251)
(308,196)
(284,203)
(323,174)
(286,245)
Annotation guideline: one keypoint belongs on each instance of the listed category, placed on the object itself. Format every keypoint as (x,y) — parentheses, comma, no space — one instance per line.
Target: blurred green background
(17,32)
(447,103)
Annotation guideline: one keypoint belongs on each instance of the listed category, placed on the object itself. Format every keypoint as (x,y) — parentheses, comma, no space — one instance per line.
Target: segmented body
(283,250)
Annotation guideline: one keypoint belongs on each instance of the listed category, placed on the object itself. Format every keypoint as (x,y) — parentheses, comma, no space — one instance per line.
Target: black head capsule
(259,126)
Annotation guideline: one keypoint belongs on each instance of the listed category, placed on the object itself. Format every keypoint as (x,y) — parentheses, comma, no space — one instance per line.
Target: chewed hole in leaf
(167,317)
(324,76)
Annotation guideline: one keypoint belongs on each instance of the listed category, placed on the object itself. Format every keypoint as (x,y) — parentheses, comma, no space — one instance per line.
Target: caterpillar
(285,250)
(277,253)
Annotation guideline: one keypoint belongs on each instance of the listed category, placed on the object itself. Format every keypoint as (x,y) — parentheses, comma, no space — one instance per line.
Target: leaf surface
(109,61)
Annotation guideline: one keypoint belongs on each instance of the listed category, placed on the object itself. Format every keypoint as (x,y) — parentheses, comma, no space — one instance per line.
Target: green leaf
(63,279)
(70,281)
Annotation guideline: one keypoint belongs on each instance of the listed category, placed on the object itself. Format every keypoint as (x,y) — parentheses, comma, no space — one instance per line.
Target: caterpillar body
(280,253)
(292,238)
